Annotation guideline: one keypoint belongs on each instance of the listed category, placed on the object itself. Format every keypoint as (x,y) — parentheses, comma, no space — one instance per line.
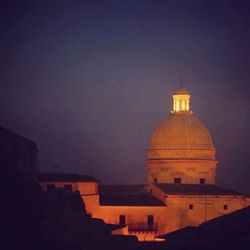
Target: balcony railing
(142,227)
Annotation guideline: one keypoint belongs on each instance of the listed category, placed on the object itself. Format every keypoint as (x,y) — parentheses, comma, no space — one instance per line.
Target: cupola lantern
(181,99)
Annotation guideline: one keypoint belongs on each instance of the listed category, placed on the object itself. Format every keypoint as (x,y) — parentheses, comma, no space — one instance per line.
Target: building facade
(180,189)
(181,149)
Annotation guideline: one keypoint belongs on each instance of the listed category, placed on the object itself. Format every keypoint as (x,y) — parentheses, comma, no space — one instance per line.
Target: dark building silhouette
(230,231)
(34,219)
(18,156)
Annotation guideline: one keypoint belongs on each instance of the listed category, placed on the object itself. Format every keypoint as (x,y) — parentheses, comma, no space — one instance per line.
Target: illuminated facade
(181,190)
(181,148)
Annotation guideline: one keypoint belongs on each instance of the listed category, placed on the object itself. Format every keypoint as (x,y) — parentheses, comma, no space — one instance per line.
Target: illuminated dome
(181,136)
(181,146)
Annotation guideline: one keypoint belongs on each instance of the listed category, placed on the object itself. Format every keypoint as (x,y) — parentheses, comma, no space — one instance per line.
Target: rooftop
(130,200)
(122,189)
(195,189)
(127,195)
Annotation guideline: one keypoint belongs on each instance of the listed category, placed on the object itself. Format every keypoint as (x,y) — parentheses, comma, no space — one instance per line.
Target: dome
(181,131)
(181,136)
(181,149)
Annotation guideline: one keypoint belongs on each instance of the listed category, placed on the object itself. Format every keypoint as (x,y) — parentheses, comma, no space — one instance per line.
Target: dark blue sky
(89,80)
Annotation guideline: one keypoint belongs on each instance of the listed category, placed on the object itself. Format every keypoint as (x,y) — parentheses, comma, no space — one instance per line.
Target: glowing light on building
(181,101)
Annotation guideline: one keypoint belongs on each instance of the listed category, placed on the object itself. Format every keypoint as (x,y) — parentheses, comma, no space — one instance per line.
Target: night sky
(89,80)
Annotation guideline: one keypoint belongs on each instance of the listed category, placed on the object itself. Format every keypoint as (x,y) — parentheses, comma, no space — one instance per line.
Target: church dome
(181,135)
(181,149)
(181,132)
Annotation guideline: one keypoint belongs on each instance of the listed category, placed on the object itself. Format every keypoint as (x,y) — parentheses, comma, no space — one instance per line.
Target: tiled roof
(122,189)
(69,177)
(195,189)
(127,195)
(129,200)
